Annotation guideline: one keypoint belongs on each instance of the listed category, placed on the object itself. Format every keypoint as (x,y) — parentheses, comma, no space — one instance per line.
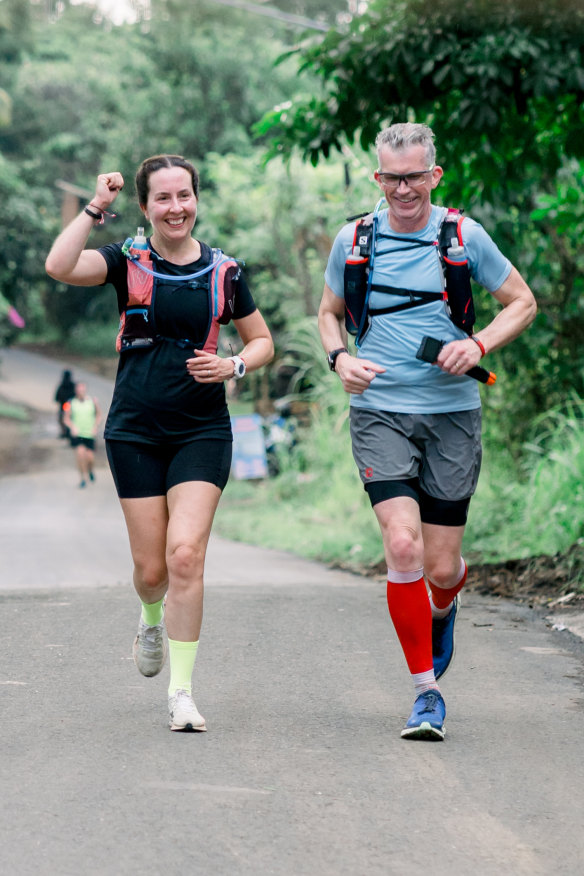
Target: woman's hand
(209,368)
(68,260)
(108,187)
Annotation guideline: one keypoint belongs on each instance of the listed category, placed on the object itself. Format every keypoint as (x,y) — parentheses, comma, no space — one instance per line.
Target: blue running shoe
(443,639)
(427,718)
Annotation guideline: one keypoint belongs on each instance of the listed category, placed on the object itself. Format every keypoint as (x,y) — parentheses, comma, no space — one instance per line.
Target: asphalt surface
(302,771)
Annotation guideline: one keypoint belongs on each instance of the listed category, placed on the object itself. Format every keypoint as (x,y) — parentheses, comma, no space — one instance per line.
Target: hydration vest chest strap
(358,269)
(137,329)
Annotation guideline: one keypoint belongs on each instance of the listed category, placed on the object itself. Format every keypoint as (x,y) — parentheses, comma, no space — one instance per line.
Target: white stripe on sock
(424,681)
(404,577)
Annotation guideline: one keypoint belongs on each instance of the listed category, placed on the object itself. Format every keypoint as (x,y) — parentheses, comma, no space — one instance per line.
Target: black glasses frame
(395,179)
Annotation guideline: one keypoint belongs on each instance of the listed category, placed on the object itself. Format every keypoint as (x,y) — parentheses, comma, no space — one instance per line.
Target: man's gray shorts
(441,451)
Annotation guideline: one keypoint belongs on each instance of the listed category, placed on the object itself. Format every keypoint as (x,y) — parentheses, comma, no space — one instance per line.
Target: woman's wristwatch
(239,367)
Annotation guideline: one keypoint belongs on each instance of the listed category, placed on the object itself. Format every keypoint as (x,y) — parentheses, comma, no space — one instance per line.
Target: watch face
(332,357)
(239,367)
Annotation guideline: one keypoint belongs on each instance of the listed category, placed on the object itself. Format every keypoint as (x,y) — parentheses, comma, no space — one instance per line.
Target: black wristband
(332,357)
(97,216)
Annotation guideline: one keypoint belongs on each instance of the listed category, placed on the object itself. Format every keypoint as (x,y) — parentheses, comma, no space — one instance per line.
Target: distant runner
(82,416)
(64,393)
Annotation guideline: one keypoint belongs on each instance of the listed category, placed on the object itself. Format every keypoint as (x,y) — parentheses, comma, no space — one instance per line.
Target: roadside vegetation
(529,503)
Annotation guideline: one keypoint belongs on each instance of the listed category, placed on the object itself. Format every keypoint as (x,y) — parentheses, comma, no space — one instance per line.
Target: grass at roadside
(317,507)
(537,508)
(13,412)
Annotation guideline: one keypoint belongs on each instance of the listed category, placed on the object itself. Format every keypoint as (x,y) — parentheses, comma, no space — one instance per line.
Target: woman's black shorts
(142,470)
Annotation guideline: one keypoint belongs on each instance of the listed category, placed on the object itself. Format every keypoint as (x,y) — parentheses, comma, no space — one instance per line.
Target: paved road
(302,771)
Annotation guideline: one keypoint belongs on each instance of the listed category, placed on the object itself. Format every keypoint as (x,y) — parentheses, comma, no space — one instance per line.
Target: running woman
(168,432)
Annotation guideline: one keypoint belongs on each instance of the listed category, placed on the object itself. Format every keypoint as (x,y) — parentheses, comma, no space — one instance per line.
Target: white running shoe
(149,649)
(183,712)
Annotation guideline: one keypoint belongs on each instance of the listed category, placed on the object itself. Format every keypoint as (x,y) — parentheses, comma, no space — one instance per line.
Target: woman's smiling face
(172,206)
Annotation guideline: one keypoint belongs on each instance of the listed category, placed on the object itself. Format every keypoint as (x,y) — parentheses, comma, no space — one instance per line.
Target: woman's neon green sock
(152,612)
(182,656)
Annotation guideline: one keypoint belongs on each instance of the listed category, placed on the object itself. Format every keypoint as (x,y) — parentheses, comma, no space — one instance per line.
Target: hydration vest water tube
(137,328)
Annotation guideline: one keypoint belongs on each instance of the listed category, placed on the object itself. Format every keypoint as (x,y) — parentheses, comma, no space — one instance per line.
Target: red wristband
(479,344)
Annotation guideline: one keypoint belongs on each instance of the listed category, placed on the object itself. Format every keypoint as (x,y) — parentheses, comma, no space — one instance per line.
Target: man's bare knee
(444,572)
(403,546)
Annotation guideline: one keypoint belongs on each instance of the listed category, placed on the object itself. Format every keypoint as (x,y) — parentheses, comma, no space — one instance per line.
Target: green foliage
(281,219)
(488,69)
(537,508)
(319,509)
(94,338)
(15,18)
(115,95)
(13,412)
(318,506)
(502,85)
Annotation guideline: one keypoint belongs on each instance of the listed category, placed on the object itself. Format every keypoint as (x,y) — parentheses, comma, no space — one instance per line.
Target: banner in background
(249,449)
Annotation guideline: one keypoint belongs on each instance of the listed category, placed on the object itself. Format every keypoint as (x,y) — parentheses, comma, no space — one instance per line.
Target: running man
(416,425)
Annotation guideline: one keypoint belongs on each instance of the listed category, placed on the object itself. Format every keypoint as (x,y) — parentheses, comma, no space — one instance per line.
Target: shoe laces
(150,636)
(431,698)
(183,699)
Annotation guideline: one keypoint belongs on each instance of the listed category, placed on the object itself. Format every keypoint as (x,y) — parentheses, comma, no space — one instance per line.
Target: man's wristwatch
(239,367)
(332,357)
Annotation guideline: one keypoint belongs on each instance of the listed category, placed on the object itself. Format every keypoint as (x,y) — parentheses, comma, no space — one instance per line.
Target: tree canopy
(500,83)
(502,86)
(508,75)
(82,96)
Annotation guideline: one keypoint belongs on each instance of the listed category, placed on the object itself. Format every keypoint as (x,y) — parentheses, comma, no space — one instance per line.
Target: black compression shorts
(142,470)
(77,441)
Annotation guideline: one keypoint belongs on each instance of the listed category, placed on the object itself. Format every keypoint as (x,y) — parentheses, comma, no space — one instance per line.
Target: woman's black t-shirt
(155,399)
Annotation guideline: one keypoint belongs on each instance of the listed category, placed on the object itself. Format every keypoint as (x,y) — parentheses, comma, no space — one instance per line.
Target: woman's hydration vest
(137,326)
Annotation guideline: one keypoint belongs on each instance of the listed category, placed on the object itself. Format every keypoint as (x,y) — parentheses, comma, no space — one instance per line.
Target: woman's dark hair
(157,162)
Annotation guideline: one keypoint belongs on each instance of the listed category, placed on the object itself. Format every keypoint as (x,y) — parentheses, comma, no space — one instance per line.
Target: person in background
(64,392)
(81,417)
(416,425)
(168,431)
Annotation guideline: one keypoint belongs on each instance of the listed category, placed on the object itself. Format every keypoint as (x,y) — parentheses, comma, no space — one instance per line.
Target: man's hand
(356,374)
(458,356)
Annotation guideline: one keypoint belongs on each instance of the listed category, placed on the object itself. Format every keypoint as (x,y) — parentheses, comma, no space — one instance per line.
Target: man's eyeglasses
(392,180)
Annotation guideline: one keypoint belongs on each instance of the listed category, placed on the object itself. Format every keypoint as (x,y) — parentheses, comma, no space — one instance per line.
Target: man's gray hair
(405,134)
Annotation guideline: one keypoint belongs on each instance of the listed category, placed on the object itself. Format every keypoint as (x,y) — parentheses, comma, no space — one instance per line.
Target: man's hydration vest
(358,285)
(137,327)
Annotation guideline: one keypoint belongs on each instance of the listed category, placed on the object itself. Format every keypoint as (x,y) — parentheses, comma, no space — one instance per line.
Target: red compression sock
(442,597)
(409,608)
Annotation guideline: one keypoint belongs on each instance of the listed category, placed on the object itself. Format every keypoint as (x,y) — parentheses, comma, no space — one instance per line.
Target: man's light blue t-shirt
(409,385)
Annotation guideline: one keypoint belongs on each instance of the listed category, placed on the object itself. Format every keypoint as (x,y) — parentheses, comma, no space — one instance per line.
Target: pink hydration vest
(137,330)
